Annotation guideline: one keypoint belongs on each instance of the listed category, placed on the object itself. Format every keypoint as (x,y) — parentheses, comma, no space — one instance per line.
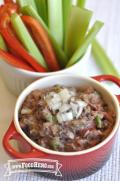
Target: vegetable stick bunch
(39,35)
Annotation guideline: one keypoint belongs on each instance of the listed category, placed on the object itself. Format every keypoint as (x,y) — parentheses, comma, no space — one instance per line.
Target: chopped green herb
(49,118)
(57,88)
(54,119)
(55,143)
(98,122)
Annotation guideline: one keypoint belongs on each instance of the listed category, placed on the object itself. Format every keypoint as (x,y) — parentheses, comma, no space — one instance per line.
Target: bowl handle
(13,134)
(111,78)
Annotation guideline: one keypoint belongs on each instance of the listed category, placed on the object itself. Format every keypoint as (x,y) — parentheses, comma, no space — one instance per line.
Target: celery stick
(42,9)
(32,3)
(86,42)
(26,39)
(3,45)
(55,20)
(102,59)
(67,5)
(78,25)
(28,10)
(23,3)
(81,3)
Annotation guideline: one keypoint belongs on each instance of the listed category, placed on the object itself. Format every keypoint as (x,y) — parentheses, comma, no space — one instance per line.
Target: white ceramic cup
(17,79)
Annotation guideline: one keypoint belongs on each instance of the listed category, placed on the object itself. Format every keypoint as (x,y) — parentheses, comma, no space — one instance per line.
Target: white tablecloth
(109,12)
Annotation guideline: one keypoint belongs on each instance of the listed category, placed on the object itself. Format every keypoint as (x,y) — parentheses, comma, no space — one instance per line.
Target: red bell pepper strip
(16,55)
(43,42)
(12,60)
(9,8)
(8,1)
(15,45)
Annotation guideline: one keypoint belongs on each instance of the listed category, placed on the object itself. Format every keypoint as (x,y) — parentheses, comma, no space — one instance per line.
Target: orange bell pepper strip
(15,45)
(12,60)
(43,42)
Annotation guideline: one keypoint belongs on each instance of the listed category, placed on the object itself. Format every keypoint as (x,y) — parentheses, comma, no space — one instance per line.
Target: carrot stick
(25,38)
(8,1)
(28,10)
(41,38)
(15,45)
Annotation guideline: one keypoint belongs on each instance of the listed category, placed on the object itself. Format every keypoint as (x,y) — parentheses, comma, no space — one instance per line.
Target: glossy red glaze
(87,163)
(12,134)
(102,78)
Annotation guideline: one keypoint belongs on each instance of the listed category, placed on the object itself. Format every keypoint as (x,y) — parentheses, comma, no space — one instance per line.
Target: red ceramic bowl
(74,164)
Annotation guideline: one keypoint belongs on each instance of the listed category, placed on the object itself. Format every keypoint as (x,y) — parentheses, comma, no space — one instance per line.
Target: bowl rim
(48,151)
(62,71)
